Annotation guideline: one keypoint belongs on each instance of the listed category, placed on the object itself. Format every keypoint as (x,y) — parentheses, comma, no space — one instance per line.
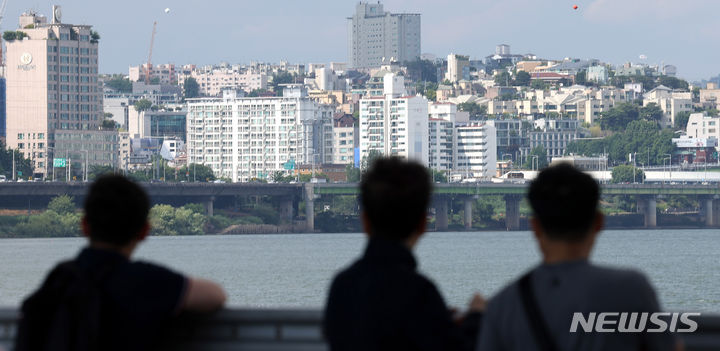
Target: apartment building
(553,135)
(244,138)
(701,126)
(164,74)
(394,124)
(212,81)
(441,136)
(475,150)
(670,102)
(376,36)
(458,68)
(53,99)
(345,138)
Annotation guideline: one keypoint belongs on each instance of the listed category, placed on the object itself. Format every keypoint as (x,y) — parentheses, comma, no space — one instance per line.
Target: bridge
(292,330)
(289,195)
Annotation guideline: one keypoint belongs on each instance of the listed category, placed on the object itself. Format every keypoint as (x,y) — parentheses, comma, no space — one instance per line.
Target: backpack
(65,313)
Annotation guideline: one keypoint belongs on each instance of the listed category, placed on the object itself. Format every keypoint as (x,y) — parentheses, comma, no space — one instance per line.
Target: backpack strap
(539,329)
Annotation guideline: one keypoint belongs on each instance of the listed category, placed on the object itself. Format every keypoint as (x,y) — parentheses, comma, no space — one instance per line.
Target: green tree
(581,77)
(14,35)
(22,165)
(94,37)
(260,92)
(120,84)
(49,224)
(681,119)
(439,176)
(431,94)
(673,83)
(617,118)
(538,84)
(522,78)
(368,160)
(143,105)
(95,171)
(281,77)
(353,173)
(191,87)
(476,111)
(502,78)
(281,177)
(62,205)
(109,124)
(651,112)
(195,172)
(541,158)
(627,174)
(168,221)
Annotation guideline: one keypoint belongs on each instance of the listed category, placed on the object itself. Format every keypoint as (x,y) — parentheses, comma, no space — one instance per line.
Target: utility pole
(14,173)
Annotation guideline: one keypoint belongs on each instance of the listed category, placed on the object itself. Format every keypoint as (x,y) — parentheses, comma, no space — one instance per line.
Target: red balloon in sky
(575,7)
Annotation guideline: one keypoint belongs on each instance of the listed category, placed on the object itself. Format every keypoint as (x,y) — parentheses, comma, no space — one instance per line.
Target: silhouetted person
(381,302)
(536,312)
(102,300)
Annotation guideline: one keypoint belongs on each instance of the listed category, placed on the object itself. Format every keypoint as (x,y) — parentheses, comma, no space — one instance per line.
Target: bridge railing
(271,330)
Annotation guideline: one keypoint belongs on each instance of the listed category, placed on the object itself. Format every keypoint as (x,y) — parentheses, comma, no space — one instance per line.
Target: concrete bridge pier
(468,201)
(309,197)
(706,210)
(512,212)
(716,211)
(209,206)
(287,209)
(647,205)
(441,214)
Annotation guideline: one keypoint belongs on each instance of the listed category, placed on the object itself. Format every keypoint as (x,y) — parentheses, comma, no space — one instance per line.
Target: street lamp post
(85,166)
(48,160)
(669,156)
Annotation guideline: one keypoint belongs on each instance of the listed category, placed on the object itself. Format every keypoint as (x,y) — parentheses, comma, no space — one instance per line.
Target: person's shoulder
(152,271)
(626,277)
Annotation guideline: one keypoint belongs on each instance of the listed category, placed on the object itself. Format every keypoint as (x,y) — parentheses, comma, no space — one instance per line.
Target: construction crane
(2,15)
(149,63)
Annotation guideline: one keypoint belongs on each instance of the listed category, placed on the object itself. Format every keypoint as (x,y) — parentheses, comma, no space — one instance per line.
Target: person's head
(116,212)
(394,196)
(564,202)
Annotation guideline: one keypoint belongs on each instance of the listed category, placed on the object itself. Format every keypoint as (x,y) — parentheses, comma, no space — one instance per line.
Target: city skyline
(616,31)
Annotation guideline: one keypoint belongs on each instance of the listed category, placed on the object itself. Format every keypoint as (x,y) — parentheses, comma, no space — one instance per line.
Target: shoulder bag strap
(539,329)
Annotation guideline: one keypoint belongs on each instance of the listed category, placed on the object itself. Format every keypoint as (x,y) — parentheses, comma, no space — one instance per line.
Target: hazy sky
(684,33)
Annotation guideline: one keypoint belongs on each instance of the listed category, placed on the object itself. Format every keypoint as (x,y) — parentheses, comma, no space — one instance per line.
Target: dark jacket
(382,303)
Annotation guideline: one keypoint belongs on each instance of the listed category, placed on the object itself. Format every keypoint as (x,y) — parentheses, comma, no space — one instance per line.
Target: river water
(294,270)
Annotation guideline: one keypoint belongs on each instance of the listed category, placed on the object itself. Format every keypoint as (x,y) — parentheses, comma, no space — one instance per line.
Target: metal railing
(271,330)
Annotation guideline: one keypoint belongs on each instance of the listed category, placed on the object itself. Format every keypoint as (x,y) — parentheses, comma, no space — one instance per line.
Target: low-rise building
(670,102)
(553,135)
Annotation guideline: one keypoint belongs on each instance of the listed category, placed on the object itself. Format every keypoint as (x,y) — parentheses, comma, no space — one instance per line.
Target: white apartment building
(213,81)
(700,126)
(164,74)
(52,87)
(246,138)
(475,150)
(376,36)
(345,138)
(394,124)
(670,102)
(442,118)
